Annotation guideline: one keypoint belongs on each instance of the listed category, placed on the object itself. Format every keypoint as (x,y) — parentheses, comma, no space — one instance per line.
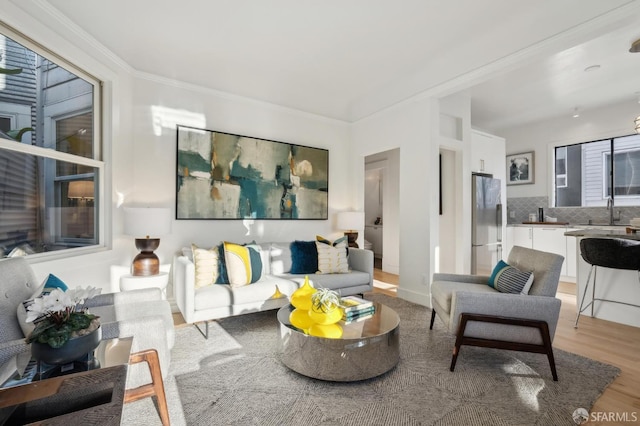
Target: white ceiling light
(576,112)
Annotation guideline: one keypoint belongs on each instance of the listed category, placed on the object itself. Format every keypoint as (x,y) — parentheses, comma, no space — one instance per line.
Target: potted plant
(64,329)
(325,306)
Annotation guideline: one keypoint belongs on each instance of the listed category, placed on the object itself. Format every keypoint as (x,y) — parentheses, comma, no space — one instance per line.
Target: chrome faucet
(610,206)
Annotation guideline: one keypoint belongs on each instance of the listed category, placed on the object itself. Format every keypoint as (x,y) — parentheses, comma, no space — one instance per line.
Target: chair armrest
(460,278)
(361,260)
(131,296)
(11,348)
(148,333)
(542,308)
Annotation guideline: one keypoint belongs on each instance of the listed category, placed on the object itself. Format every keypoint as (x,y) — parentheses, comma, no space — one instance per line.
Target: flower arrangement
(325,300)
(58,316)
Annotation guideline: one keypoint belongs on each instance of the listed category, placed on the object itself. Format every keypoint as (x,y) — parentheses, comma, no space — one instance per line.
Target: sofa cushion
(333,281)
(332,257)
(243,264)
(207,265)
(508,279)
(304,257)
(280,255)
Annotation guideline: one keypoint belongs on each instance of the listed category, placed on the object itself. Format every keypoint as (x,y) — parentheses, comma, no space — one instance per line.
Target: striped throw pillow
(332,257)
(508,279)
(207,265)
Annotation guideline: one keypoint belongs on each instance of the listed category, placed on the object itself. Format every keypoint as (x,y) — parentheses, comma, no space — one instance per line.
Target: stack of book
(356,309)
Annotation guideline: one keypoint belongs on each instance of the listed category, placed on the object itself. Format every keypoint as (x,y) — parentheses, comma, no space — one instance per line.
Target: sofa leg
(206,328)
(155,388)
(433,317)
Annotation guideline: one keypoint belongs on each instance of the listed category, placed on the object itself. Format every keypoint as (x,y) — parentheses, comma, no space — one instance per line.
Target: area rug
(236,378)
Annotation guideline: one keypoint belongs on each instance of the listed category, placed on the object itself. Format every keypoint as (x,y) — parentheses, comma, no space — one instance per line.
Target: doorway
(381,200)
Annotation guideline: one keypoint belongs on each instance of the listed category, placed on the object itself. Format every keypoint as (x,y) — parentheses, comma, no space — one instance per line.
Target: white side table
(126,281)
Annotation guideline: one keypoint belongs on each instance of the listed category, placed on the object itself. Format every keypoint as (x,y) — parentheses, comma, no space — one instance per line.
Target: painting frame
(521,168)
(227,176)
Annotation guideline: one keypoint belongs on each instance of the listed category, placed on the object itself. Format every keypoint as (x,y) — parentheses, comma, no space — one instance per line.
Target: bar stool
(615,253)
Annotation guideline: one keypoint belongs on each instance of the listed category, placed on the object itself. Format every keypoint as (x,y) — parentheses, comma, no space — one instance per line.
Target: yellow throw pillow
(244,265)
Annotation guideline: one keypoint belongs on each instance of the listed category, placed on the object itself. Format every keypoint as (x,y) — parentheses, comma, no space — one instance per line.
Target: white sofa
(221,300)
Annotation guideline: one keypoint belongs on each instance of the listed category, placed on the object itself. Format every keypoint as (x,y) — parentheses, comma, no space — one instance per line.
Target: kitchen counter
(613,284)
(603,233)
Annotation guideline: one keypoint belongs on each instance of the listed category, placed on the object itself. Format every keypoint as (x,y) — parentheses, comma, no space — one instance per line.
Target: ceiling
(347,60)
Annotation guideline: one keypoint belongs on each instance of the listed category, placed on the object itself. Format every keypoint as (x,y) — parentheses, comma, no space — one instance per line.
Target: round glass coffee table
(367,348)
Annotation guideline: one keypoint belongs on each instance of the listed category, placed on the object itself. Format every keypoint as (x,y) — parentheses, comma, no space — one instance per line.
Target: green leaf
(17,133)
(8,71)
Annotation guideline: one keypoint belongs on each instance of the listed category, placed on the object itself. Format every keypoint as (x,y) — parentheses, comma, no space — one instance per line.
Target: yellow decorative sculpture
(300,319)
(325,307)
(301,298)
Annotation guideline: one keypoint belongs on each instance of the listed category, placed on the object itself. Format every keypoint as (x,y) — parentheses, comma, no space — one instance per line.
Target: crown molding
(565,39)
(77,32)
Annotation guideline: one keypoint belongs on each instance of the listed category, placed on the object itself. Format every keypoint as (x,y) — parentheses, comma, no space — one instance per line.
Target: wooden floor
(605,341)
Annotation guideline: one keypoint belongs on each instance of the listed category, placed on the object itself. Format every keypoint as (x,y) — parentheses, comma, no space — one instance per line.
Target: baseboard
(415,297)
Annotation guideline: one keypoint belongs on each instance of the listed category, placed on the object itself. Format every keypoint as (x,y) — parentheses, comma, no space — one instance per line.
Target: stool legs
(593,293)
(155,388)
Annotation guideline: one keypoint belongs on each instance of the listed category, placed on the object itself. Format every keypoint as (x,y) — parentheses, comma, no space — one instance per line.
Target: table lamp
(150,222)
(351,223)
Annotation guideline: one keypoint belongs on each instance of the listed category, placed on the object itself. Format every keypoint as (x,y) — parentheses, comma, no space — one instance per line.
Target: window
(588,174)
(50,156)
(561,167)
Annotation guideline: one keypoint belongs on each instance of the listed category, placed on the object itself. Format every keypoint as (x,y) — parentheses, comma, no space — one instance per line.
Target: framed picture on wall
(520,168)
(227,176)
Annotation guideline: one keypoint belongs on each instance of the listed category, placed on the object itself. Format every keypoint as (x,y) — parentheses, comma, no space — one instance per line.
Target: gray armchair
(479,315)
(141,314)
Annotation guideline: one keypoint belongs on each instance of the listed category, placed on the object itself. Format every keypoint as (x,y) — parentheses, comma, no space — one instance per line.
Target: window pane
(40,95)
(40,212)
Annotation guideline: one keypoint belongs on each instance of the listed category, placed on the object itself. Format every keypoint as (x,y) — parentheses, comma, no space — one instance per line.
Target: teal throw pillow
(509,279)
(304,257)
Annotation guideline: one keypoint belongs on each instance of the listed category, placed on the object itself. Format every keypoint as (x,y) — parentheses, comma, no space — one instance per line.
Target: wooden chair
(155,388)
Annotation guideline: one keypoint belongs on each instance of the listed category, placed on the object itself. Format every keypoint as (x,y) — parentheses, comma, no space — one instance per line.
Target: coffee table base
(339,360)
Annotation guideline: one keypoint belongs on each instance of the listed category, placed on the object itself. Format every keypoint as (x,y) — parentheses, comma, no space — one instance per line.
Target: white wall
(410,128)
(614,120)
(154,174)
(142,159)
(455,138)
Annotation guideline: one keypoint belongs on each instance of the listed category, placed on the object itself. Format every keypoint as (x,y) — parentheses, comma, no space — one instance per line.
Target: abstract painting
(520,168)
(226,176)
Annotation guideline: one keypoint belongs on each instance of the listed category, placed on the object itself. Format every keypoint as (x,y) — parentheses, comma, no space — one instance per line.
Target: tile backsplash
(522,206)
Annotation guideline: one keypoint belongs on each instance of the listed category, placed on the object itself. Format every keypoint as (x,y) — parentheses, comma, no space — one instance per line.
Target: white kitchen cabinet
(488,154)
(571,259)
(522,236)
(551,240)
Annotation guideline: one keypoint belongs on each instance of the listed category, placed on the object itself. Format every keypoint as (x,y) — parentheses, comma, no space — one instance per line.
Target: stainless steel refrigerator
(486,225)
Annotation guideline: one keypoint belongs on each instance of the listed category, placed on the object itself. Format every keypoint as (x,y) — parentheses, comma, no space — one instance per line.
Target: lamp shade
(350,221)
(147,221)
(81,189)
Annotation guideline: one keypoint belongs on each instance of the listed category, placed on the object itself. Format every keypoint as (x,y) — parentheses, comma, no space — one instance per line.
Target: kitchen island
(613,284)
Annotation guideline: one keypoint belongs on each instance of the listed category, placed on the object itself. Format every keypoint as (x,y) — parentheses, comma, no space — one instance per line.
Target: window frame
(96,161)
(552,161)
